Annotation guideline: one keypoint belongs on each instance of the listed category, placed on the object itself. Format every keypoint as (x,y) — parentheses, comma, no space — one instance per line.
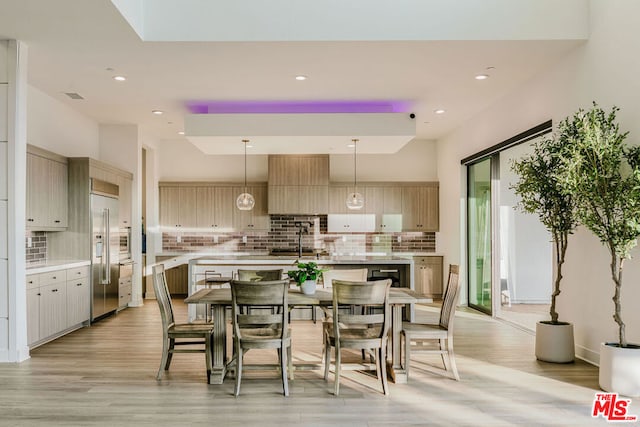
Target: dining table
(219,299)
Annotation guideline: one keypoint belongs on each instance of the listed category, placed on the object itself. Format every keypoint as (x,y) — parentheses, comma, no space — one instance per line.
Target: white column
(13,152)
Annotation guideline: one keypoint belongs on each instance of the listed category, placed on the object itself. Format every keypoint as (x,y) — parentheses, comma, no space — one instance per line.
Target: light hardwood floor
(105,375)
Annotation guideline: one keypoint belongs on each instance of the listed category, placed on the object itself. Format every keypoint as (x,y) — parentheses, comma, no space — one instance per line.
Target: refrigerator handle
(106,258)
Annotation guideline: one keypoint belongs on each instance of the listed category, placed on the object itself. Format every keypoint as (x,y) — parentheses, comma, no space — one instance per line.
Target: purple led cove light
(285,107)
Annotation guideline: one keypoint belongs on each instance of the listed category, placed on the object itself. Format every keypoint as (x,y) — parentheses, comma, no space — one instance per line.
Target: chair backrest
(272,293)
(259,275)
(371,294)
(355,275)
(450,299)
(162,296)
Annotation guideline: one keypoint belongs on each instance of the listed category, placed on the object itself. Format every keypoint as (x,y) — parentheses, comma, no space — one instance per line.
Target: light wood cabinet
(428,278)
(53,309)
(386,204)
(215,208)
(57,302)
(125,203)
(257,219)
(47,191)
(78,301)
(124,292)
(298,184)
(178,207)
(420,208)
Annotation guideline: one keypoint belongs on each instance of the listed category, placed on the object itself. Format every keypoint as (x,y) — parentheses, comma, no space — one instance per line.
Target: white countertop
(55,265)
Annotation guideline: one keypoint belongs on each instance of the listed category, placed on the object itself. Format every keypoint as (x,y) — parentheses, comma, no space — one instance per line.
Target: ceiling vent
(73,95)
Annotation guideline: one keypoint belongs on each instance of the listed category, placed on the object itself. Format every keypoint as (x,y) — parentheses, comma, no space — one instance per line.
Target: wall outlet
(215,239)
(29,242)
(244,239)
(179,238)
(344,238)
(376,239)
(399,239)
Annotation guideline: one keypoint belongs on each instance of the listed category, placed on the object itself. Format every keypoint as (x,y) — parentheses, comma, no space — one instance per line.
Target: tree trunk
(617,264)
(560,240)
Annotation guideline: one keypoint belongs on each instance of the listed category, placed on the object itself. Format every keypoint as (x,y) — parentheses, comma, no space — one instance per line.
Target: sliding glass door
(479,234)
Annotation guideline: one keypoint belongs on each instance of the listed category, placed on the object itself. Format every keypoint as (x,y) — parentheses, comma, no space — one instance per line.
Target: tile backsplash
(38,250)
(283,234)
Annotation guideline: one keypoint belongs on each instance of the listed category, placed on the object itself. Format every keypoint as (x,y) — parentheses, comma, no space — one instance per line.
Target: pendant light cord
(245,164)
(355,166)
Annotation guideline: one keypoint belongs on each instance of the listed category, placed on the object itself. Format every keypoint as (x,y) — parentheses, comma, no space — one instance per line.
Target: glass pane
(479,234)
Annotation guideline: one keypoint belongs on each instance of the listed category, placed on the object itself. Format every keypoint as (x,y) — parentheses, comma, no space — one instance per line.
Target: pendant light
(355,200)
(245,201)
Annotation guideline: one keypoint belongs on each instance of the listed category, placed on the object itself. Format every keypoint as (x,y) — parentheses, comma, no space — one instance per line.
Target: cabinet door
(178,206)
(125,202)
(284,170)
(33,315)
(78,301)
(205,211)
(224,203)
(283,199)
(430,208)
(53,309)
(37,191)
(58,194)
(338,199)
(259,215)
(374,205)
(411,209)
(428,275)
(313,199)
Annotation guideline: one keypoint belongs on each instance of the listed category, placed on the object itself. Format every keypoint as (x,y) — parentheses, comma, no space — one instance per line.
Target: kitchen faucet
(303,227)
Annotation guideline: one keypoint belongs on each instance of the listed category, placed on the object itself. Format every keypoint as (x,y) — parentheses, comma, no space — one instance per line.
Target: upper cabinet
(420,208)
(47,190)
(257,219)
(203,206)
(178,207)
(386,204)
(298,184)
(125,192)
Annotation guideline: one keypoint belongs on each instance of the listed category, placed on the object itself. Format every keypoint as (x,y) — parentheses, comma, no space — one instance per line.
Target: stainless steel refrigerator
(105,248)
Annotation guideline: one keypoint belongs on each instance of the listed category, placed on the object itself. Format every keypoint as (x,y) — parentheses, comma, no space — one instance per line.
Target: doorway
(509,253)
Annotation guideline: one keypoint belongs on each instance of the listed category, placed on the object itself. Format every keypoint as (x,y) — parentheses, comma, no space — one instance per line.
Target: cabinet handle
(30,219)
(124,222)
(78,284)
(38,294)
(54,277)
(54,290)
(57,221)
(78,273)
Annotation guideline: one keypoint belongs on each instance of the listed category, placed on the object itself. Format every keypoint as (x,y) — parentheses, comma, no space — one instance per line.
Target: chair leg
(337,371)
(283,368)
(290,362)
(452,359)
(172,344)
(163,360)
(238,369)
(327,358)
(382,360)
(444,356)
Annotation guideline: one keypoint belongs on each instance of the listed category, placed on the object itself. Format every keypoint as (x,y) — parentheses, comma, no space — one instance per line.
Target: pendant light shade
(355,200)
(245,201)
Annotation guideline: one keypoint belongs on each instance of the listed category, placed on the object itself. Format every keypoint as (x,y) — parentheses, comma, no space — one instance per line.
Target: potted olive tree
(603,175)
(541,193)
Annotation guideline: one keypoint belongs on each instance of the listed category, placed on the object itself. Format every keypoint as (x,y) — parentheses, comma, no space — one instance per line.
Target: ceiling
(78,46)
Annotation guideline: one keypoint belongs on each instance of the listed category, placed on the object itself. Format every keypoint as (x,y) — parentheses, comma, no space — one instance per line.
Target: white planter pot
(308,287)
(554,343)
(620,370)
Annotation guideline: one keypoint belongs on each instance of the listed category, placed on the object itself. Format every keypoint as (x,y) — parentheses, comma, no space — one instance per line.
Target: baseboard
(589,356)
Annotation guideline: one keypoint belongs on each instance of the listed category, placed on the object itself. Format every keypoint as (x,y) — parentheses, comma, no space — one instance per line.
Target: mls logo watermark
(612,408)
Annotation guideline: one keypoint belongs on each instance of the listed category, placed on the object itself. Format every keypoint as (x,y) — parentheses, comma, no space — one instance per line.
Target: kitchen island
(400,269)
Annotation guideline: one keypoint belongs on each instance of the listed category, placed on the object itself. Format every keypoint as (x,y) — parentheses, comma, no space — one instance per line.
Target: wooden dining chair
(259,276)
(261,331)
(359,330)
(199,336)
(436,338)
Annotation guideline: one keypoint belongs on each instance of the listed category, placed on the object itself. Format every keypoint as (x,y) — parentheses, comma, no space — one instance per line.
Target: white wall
(179,160)
(605,69)
(54,126)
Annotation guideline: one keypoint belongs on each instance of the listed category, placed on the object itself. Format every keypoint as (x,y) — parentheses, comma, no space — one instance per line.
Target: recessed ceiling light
(181,132)
(301,77)
(119,78)
(157,112)
(439,111)
(482,76)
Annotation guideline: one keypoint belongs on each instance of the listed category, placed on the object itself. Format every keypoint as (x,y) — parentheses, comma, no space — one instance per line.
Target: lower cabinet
(57,302)
(428,275)
(124,292)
